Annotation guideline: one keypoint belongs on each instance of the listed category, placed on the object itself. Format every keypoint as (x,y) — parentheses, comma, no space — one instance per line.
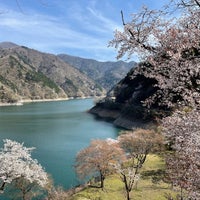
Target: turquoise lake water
(58,130)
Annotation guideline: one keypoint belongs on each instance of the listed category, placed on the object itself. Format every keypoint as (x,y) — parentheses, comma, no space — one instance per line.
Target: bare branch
(122,18)
(197,2)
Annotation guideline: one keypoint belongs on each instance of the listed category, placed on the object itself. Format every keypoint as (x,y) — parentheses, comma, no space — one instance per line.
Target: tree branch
(197,2)
(122,15)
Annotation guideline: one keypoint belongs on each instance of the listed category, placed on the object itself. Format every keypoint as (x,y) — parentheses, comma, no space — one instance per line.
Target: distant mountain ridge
(29,74)
(7,45)
(106,74)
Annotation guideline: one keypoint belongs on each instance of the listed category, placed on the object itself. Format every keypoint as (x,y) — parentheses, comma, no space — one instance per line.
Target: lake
(58,130)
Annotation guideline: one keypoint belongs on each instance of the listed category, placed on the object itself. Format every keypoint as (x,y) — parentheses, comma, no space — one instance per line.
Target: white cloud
(106,23)
(87,32)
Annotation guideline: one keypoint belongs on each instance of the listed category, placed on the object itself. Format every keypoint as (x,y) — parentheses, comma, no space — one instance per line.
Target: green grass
(149,187)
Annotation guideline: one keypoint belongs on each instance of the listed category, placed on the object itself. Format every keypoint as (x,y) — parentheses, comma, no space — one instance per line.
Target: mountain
(7,45)
(148,93)
(106,74)
(29,74)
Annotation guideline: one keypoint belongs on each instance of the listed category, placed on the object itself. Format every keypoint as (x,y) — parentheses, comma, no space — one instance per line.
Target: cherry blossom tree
(138,34)
(97,159)
(129,176)
(137,145)
(19,169)
(170,50)
(195,4)
(182,131)
(156,36)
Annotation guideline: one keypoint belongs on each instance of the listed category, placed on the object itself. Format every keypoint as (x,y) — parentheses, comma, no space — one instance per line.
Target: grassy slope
(146,189)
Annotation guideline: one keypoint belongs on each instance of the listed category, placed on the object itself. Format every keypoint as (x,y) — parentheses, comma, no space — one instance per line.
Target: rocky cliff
(148,93)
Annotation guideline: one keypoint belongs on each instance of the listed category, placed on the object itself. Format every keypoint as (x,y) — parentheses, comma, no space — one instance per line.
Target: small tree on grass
(57,193)
(19,170)
(97,159)
(137,145)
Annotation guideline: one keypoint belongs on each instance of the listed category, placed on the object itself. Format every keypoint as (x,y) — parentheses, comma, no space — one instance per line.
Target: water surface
(58,130)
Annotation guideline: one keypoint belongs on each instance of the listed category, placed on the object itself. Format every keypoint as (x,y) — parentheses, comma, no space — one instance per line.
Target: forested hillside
(106,74)
(29,74)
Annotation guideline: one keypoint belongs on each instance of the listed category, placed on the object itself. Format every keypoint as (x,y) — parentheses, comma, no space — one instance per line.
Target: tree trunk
(181,193)
(23,195)
(128,195)
(2,187)
(126,187)
(102,180)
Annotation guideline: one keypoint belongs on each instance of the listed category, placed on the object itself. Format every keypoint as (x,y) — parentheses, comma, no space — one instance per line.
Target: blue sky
(77,27)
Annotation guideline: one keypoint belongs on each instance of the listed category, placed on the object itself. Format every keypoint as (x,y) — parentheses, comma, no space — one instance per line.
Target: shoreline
(22,102)
(120,120)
